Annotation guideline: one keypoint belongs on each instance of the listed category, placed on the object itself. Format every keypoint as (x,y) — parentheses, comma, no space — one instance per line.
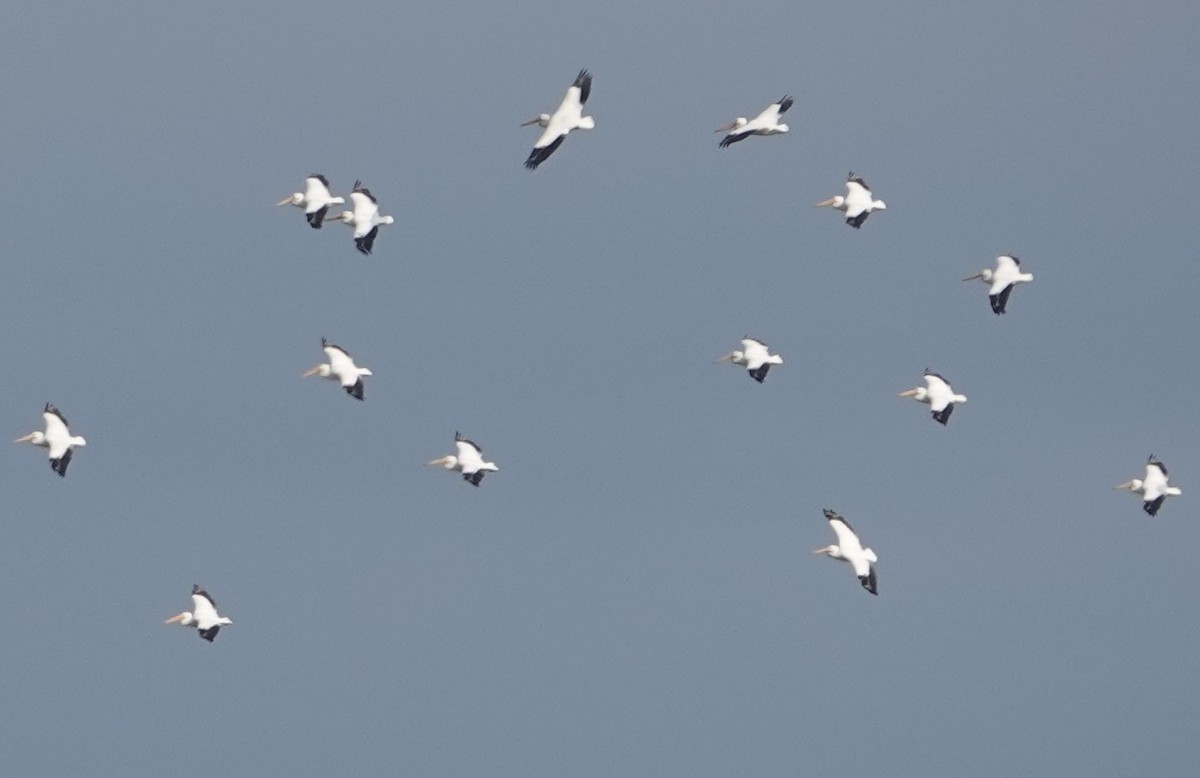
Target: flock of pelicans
(857,204)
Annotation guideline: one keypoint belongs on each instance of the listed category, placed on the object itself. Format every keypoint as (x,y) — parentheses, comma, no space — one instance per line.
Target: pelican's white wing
(940,393)
(1154,485)
(341,365)
(58,437)
(316,194)
(858,199)
(768,118)
(470,458)
(203,612)
(847,539)
(755,352)
(1006,272)
(366,213)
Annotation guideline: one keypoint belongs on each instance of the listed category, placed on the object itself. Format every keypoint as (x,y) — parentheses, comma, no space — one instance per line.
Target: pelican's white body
(1001,280)
(567,117)
(850,549)
(203,616)
(755,357)
(938,395)
(467,460)
(365,218)
(858,202)
(57,439)
(1153,487)
(341,368)
(315,199)
(766,123)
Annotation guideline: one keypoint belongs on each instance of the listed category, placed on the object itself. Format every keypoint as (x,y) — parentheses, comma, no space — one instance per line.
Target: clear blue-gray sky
(632,594)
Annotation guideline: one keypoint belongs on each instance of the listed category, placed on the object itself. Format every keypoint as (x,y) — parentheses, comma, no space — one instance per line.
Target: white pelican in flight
(341,368)
(849,549)
(1002,280)
(469,461)
(364,218)
(754,357)
(937,394)
(858,203)
(203,615)
(315,199)
(766,123)
(57,438)
(569,116)
(1153,487)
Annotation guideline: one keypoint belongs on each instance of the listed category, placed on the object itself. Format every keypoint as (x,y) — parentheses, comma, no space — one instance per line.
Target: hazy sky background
(632,594)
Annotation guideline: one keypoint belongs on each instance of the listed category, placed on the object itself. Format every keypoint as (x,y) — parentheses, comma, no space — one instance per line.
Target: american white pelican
(469,461)
(1153,487)
(1002,280)
(568,116)
(57,438)
(754,357)
(364,218)
(849,549)
(766,123)
(341,368)
(858,203)
(203,615)
(315,199)
(937,394)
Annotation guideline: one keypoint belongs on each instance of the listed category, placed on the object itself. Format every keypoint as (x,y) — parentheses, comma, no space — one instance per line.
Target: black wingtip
(355,391)
(317,217)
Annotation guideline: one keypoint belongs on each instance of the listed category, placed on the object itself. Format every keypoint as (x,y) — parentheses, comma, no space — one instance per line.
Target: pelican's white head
(323,370)
(736,124)
(296,198)
(541,119)
(449,462)
(831,550)
(837,201)
(918,393)
(736,357)
(183,619)
(37,438)
(985,274)
(1134,486)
